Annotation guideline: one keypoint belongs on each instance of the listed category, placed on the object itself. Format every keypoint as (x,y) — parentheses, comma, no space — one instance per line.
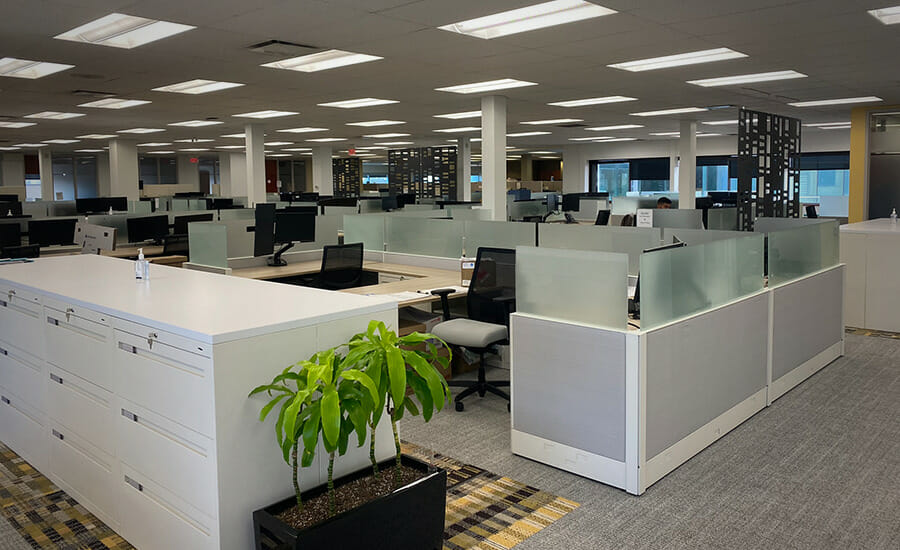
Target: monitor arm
(276,259)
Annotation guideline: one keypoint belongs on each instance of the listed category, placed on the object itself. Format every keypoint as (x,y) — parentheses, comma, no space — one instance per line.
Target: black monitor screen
(10,235)
(14,208)
(406,198)
(571,202)
(9,198)
(294,227)
(181,222)
(51,232)
(389,203)
(309,197)
(303,209)
(99,205)
(264,231)
(219,204)
(148,228)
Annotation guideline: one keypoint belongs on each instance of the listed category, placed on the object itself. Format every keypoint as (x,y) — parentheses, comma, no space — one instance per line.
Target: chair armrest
(504,299)
(443,291)
(445,302)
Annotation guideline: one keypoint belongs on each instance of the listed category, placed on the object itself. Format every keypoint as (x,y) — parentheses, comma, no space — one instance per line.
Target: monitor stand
(276,260)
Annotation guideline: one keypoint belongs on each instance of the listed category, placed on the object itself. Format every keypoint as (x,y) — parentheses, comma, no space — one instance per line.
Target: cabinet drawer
(22,429)
(84,470)
(22,375)
(20,320)
(167,380)
(160,336)
(78,341)
(82,407)
(152,518)
(172,456)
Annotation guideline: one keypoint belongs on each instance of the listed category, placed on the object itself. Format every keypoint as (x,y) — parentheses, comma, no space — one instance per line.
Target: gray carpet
(10,538)
(819,469)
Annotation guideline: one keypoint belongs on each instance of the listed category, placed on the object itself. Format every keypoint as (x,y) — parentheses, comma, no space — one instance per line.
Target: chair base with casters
(481,386)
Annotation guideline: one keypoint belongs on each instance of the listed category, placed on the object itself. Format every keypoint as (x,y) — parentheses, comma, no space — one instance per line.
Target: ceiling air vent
(281,48)
(571,125)
(93,93)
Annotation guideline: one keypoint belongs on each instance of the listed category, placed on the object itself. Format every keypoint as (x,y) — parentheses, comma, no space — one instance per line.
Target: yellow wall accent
(859,160)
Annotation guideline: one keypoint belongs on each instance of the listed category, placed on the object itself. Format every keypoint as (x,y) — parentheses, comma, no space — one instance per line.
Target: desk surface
(882,226)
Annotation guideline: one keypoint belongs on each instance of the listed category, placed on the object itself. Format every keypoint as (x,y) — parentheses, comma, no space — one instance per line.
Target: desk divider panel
(578,286)
(208,244)
(628,240)
(496,234)
(423,236)
(140,207)
(237,214)
(699,236)
(367,229)
(678,218)
(683,281)
(802,250)
(464,212)
(724,219)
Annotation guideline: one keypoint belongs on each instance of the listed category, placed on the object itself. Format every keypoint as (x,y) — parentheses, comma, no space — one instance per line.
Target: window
(157,170)
(620,177)
(824,175)
(75,176)
(209,173)
(292,175)
(717,173)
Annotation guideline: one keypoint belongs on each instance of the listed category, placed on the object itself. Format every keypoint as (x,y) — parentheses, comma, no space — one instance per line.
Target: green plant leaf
(420,388)
(396,373)
(307,458)
(436,383)
(265,410)
(359,417)
(411,407)
(311,428)
(331,416)
(364,379)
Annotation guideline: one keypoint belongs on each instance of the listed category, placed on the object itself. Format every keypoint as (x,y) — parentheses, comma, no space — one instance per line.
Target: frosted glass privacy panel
(365,228)
(468,213)
(208,244)
(237,214)
(698,236)
(180,205)
(497,235)
(573,285)
(725,219)
(683,281)
(797,252)
(425,237)
(682,219)
(139,207)
(624,205)
(627,240)
(767,225)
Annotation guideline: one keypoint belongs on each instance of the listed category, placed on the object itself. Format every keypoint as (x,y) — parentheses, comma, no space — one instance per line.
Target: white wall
(13,170)
(189,174)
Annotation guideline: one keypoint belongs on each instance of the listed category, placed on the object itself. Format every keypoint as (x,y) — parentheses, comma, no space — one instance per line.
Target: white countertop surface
(882,226)
(203,306)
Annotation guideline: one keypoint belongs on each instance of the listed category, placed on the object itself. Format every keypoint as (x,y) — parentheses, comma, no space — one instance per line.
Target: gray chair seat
(469,333)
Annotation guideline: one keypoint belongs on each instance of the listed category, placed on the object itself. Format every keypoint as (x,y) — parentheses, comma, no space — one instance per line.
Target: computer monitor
(302,209)
(189,195)
(520,194)
(10,235)
(389,203)
(147,228)
(290,228)
(552,202)
(13,208)
(9,198)
(571,202)
(51,232)
(101,205)
(181,222)
(309,197)
(603,217)
(219,204)
(635,304)
(405,198)
(264,230)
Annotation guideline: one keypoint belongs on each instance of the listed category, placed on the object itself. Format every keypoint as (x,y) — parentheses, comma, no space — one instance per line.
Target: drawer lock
(56,379)
(69,313)
(129,415)
(58,435)
(134,484)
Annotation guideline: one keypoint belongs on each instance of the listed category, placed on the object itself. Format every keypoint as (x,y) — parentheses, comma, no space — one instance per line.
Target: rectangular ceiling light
(298,149)
(238,136)
(4,124)
(11,149)
(279,155)
(197,86)
(88,150)
(141,131)
(123,31)
(30,145)
(372,123)
(267,114)
(114,103)
(197,123)
(746,78)
(845,127)
(54,115)
(394,143)
(666,134)
(327,140)
(161,152)
(193,150)
(303,130)
(842,101)
(888,16)
(321,61)
(25,68)
(461,115)
(386,136)
(154,144)
(690,58)
(826,124)
(61,141)
(720,122)
(617,127)
(277,143)
(592,138)
(487,86)
(460,129)
(528,134)
(230,146)
(357,103)
(552,121)
(529,18)
(194,140)
(679,111)
(97,136)
(593,101)
(619,139)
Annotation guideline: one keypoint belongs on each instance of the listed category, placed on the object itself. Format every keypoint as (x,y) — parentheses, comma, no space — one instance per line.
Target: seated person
(664,202)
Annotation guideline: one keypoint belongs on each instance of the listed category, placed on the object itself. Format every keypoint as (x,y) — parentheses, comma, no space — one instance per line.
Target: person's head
(664,202)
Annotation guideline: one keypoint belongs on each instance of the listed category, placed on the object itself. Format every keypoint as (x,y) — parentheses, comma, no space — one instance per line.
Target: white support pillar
(256,164)
(13,170)
(238,174)
(464,169)
(687,168)
(225,175)
(574,169)
(46,167)
(527,170)
(493,156)
(322,170)
(104,188)
(123,169)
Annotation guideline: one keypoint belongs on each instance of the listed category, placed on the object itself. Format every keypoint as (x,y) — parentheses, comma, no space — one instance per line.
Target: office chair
(176,245)
(629,220)
(603,217)
(341,267)
(811,211)
(490,300)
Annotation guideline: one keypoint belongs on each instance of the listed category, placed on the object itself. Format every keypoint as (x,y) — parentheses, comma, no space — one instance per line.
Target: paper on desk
(401,296)
(458,289)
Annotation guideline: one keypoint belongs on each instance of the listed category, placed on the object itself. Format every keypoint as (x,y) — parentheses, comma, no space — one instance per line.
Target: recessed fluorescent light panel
(97,136)
(298,149)
(592,138)
(88,150)
(746,78)
(460,115)
(528,134)
(617,127)
(230,147)
(123,31)
(826,124)
(690,58)
(161,152)
(679,111)
(487,86)
(303,130)
(357,103)
(842,101)
(30,145)
(193,150)
(141,131)
(327,140)
(460,129)
(372,123)
(238,136)
(720,122)
(25,68)
(385,136)
(9,148)
(267,114)
(4,124)
(194,140)
(154,144)
(54,115)
(593,101)
(277,143)
(61,141)
(552,121)
(538,16)
(197,86)
(114,103)
(321,61)
(395,143)
(196,123)
(619,139)
(888,16)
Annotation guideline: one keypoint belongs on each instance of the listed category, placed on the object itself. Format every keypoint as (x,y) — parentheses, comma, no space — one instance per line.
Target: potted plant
(343,393)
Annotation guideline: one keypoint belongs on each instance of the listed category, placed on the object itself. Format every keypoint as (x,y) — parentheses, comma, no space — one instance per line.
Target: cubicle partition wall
(629,240)
(871,250)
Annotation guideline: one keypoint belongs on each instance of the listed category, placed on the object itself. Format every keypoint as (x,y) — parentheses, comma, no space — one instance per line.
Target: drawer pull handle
(127,347)
(52,321)
(69,313)
(56,379)
(150,337)
(134,484)
(3,352)
(5,400)
(129,415)
(58,435)
(11,293)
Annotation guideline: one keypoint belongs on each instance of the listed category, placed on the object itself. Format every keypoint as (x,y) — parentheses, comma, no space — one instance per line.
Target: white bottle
(894,216)
(110,210)
(141,267)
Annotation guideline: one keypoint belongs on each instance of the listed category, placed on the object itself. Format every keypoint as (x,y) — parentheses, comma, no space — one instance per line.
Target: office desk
(871,250)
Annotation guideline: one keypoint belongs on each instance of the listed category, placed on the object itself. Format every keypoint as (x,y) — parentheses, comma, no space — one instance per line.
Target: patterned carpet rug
(484,511)
(876,333)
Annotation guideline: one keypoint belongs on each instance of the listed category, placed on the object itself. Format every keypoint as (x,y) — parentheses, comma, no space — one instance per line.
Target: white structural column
(103,180)
(464,169)
(256,164)
(225,175)
(13,167)
(322,170)
(574,169)
(45,165)
(493,156)
(687,168)
(238,168)
(123,169)
(527,170)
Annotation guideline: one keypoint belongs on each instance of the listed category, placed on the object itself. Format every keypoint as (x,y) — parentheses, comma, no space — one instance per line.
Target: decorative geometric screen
(347,175)
(428,172)
(769,152)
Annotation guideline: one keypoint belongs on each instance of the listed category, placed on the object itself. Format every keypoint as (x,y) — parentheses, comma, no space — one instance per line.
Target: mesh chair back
(811,211)
(494,277)
(342,266)
(603,217)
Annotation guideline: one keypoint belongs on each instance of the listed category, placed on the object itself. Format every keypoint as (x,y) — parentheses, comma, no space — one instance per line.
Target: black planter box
(410,518)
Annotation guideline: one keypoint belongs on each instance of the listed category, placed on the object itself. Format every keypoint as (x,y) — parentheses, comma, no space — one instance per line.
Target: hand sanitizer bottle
(141,271)
(110,210)
(894,216)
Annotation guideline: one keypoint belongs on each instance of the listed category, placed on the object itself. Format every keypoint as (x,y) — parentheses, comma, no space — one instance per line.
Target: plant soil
(348,496)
